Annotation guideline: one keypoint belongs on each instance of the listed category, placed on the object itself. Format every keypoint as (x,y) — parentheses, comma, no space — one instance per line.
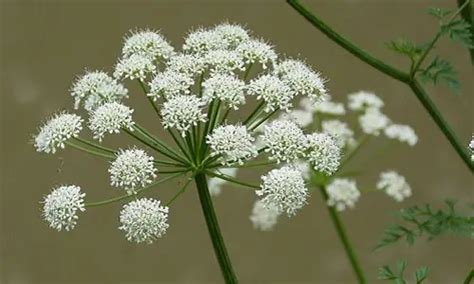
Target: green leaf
(439,13)
(406,47)
(440,71)
(397,277)
(459,31)
(421,274)
(422,221)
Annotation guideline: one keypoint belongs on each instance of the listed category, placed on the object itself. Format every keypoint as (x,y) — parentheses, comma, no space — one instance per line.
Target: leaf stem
(232,180)
(214,230)
(344,239)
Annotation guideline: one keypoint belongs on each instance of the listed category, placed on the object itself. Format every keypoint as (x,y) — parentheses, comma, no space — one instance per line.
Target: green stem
(94,145)
(232,180)
(90,151)
(344,239)
(469,277)
(213,228)
(183,189)
(254,113)
(150,100)
(126,196)
(265,118)
(250,165)
(392,72)
(362,140)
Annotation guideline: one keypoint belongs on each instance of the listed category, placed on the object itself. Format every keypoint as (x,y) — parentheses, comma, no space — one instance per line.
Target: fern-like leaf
(440,70)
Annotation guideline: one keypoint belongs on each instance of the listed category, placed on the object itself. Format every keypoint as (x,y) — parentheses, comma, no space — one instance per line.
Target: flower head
(233,142)
(302,80)
(284,140)
(231,34)
(170,83)
(132,169)
(56,131)
(215,184)
(62,205)
(340,131)
(264,217)
(186,63)
(257,51)
(283,189)
(394,185)
(202,41)
(343,193)
(300,117)
(471,147)
(275,93)
(323,153)
(110,118)
(324,107)
(134,67)
(373,121)
(96,88)
(403,133)
(182,112)
(148,43)
(223,61)
(225,87)
(144,220)
(363,100)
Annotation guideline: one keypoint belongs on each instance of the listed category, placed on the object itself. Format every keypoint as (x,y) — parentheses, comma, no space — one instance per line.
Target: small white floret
(62,205)
(264,217)
(402,133)
(342,193)
(284,141)
(182,112)
(395,185)
(110,118)
(56,131)
(324,154)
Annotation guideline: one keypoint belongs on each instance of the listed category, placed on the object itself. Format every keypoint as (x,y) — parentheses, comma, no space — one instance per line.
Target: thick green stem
(344,239)
(391,71)
(213,228)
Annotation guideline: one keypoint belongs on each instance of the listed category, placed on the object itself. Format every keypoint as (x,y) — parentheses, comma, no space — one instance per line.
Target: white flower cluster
(364,100)
(169,83)
(233,142)
(144,220)
(95,89)
(215,184)
(182,112)
(324,153)
(275,93)
(225,87)
(110,118)
(339,130)
(56,131)
(283,189)
(147,43)
(402,133)
(342,193)
(284,140)
(133,168)
(134,67)
(373,121)
(62,205)
(394,185)
(264,216)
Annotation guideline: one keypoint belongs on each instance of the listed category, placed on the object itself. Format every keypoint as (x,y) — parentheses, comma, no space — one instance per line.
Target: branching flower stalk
(417,55)
(192,92)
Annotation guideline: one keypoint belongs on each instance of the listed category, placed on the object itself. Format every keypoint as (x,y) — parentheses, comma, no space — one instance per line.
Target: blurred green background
(45,44)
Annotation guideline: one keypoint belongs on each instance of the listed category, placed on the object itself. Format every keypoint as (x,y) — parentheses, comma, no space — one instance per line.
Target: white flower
(304,167)
(148,43)
(225,87)
(233,142)
(170,83)
(62,205)
(223,61)
(283,189)
(264,217)
(302,80)
(232,35)
(201,41)
(403,133)
(325,107)
(323,153)
(471,147)
(284,140)
(110,118)
(215,184)
(186,63)
(132,169)
(144,220)
(339,130)
(96,88)
(394,185)
(301,117)
(56,131)
(373,121)
(342,193)
(363,100)
(182,112)
(134,67)
(257,51)
(275,93)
